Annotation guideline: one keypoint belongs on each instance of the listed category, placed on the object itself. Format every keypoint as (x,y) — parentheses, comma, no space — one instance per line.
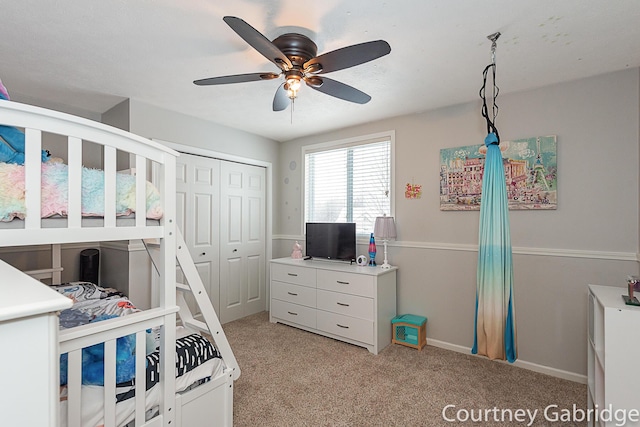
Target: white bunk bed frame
(28,308)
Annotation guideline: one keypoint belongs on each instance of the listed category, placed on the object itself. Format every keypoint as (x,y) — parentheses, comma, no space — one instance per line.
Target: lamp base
(386,263)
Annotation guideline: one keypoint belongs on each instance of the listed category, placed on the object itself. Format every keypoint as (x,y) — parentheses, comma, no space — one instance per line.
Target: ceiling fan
(296,57)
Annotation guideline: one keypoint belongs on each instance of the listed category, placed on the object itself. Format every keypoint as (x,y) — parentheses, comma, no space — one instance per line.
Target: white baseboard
(558,373)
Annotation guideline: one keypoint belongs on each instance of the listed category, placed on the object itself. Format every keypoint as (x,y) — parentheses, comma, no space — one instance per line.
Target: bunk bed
(34,345)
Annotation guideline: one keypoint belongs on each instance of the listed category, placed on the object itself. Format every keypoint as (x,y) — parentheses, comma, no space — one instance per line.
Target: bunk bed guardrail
(143,153)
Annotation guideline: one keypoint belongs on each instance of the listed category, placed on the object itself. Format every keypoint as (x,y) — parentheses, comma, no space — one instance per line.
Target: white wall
(591,238)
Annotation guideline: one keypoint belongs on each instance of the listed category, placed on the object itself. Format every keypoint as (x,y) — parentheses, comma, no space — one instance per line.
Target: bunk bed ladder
(211,324)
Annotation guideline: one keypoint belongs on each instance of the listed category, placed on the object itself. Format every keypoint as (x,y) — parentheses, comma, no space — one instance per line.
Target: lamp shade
(385,228)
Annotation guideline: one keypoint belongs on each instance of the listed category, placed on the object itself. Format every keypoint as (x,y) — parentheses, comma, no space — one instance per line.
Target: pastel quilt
(55,185)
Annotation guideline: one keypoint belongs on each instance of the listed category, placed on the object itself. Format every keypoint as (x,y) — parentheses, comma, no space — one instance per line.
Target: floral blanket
(55,190)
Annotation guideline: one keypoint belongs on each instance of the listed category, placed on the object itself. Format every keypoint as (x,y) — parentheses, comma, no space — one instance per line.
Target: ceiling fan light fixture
(292,85)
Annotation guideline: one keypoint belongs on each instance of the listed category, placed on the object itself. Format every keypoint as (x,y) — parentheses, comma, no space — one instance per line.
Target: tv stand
(343,301)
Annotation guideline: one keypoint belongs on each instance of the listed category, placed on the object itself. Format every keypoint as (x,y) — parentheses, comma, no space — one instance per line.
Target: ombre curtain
(495,328)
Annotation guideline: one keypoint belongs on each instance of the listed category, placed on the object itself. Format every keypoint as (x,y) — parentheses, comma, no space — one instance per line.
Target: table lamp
(385,229)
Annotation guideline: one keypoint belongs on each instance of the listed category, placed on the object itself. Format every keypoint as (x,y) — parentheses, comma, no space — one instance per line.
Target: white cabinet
(339,300)
(613,350)
(29,360)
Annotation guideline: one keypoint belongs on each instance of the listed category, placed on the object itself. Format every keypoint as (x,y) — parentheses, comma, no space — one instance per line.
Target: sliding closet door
(242,240)
(198,206)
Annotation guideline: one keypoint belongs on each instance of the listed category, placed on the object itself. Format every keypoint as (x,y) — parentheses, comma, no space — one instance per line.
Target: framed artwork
(530,169)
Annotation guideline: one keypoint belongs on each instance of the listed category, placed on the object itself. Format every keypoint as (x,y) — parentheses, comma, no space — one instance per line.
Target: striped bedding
(196,358)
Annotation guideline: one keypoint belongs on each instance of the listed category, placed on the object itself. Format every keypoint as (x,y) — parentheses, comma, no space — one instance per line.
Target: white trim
(188,149)
(37,248)
(553,252)
(124,245)
(463,247)
(576,253)
(558,373)
(134,245)
(288,237)
(353,141)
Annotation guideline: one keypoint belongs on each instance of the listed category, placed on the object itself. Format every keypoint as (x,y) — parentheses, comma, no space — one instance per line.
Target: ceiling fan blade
(340,90)
(349,56)
(259,42)
(281,101)
(237,78)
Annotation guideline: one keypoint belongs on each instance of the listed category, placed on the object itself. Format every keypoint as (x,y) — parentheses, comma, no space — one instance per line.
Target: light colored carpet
(295,378)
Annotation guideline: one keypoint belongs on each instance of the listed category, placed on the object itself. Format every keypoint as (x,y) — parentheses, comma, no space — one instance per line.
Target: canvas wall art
(530,169)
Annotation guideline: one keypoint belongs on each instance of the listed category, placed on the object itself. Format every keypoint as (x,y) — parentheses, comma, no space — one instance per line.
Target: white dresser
(612,354)
(336,299)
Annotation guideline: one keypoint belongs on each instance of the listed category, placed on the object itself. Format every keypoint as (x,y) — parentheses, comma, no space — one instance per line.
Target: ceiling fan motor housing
(298,48)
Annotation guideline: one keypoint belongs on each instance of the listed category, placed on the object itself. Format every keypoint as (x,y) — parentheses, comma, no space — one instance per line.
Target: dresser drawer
(346,326)
(293,274)
(295,313)
(296,294)
(349,305)
(348,283)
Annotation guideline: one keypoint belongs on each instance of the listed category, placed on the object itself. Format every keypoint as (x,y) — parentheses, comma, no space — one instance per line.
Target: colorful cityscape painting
(530,169)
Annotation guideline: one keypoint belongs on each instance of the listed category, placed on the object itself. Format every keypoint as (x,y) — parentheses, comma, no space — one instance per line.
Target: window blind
(349,184)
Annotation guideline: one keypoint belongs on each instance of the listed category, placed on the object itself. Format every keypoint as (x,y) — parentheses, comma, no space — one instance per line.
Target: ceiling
(88,55)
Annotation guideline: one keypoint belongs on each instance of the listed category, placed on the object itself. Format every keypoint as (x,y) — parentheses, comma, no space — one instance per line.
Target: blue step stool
(410,330)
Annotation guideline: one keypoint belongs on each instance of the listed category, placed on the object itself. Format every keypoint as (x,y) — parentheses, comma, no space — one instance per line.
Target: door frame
(188,149)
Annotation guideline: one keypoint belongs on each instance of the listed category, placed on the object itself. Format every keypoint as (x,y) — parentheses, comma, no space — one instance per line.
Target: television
(331,240)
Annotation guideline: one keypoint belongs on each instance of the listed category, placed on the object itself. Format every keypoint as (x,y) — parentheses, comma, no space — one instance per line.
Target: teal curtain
(495,329)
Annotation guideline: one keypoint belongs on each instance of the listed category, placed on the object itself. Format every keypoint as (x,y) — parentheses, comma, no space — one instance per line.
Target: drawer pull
(292,313)
(343,304)
(342,283)
(292,274)
(294,294)
(342,326)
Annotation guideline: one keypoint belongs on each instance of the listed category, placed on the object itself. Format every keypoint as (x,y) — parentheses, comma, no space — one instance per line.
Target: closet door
(242,240)
(198,206)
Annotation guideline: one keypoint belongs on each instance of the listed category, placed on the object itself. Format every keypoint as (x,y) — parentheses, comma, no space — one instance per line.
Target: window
(349,181)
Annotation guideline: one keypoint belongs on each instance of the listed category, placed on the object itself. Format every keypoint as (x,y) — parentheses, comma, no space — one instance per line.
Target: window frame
(344,143)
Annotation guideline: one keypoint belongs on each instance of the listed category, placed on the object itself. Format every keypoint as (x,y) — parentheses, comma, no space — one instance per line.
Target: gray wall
(39,257)
(591,238)
(157,123)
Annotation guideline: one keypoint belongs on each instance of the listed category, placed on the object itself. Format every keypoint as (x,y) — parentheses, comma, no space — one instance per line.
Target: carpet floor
(295,378)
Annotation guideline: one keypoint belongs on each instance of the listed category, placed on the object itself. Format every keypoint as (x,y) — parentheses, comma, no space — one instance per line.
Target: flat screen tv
(331,240)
